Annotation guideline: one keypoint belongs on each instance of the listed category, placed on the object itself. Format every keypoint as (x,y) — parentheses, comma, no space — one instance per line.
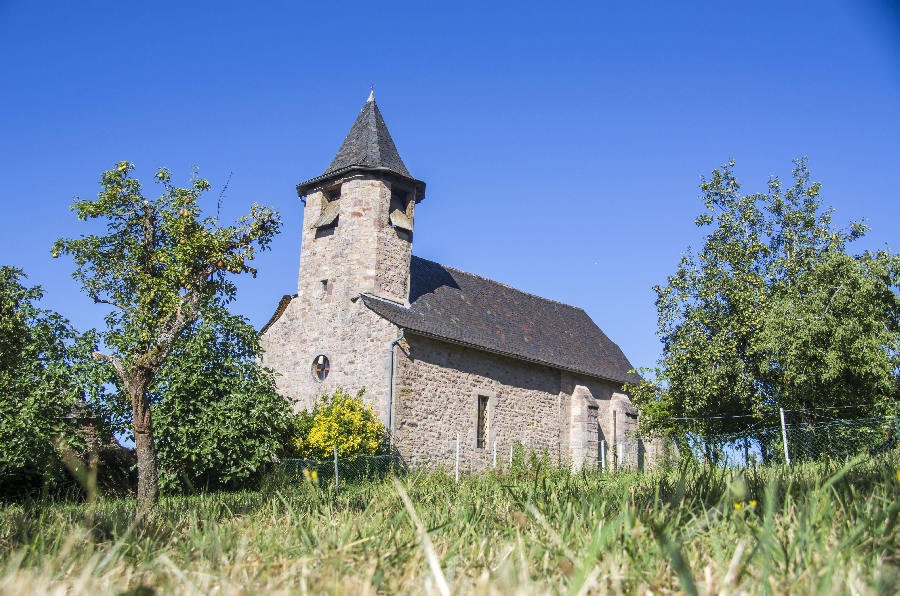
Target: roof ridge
(500,283)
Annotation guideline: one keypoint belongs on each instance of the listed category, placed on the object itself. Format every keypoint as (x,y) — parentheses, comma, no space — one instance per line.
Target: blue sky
(562,142)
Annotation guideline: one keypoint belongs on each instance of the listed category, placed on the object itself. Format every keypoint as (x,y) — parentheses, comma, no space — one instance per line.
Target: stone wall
(326,317)
(436,392)
(437,383)
(354,339)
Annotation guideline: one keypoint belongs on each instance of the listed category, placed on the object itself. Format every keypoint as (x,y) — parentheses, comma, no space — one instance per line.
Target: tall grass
(815,528)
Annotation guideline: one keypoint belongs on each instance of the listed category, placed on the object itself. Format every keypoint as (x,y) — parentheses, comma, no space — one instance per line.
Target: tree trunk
(148,476)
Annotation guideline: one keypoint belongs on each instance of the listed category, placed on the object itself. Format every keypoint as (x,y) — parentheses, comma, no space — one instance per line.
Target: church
(442,354)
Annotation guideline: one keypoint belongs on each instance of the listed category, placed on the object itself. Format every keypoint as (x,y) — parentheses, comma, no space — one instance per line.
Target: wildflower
(898,476)
(738,505)
(753,503)
(314,474)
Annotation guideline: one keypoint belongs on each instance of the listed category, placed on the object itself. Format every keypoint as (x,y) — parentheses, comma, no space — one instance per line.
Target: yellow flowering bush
(341,420)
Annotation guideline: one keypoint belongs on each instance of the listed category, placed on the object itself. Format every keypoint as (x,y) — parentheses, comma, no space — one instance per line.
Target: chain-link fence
(757,445)
(789,443)
(345,469)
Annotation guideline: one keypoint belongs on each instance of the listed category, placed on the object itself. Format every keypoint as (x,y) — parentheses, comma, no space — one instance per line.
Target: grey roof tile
(369,144)
(461,307)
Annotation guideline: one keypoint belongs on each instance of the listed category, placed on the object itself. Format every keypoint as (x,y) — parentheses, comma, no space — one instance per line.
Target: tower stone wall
(361,253)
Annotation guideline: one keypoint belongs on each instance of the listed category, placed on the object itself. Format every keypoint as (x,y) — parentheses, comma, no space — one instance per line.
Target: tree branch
(98,300)
(117,364)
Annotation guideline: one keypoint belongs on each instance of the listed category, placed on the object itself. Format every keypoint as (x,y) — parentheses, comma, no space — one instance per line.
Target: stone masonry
(551,379)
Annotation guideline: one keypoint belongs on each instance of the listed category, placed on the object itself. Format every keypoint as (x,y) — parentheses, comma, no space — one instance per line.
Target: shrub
(45,367)
(339,420)
(218,419)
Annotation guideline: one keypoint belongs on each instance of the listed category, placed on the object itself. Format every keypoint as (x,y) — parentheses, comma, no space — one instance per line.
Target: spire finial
(371,94)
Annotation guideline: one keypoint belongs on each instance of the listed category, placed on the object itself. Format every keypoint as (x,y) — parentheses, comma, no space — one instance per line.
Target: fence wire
(761,445)
(832,439)
(349,469)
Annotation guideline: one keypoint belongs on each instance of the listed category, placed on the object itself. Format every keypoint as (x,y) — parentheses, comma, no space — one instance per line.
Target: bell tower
(358,224)
(358,219)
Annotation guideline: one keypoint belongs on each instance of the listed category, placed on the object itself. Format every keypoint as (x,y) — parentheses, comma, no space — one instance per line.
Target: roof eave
(459,342)
(304,187)
(511,355)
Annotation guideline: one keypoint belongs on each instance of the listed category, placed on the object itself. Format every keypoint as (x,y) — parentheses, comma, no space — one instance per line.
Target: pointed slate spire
(369,144)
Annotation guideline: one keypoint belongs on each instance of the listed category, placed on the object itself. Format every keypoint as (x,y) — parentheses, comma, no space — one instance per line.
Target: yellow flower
(737,505)
(753,503)
(314,474)
(898,476)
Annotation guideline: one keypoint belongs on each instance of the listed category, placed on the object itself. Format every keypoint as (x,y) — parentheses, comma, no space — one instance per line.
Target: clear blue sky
(562,142)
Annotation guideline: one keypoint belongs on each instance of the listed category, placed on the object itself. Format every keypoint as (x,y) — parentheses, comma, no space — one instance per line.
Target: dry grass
(534,530)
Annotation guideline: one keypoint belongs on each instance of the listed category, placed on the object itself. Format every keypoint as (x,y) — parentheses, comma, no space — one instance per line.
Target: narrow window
(400,214)
(593,426)
(481,431)
(329,218)
(399,200)
(327,230)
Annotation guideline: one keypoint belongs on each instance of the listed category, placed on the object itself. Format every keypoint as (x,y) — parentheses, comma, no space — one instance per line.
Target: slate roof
(367,145)
(279,310)
(468,309)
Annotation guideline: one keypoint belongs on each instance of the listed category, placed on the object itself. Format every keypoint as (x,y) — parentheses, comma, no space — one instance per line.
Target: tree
(45,366)
(339,420)
(220,420)
(160,268)
(771,313)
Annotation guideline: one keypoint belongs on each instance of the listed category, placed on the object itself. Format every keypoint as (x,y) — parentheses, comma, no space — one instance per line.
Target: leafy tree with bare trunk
(773,312)
(160,267)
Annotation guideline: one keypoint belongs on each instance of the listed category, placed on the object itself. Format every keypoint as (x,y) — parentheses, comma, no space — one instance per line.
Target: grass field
(812,529)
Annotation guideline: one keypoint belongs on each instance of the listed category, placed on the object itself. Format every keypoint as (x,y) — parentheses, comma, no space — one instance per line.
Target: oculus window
(321,367)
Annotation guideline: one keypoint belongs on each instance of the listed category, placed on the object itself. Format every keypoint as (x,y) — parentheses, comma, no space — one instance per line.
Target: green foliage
(45,366)
(772,313)
(160,268)
(809,529)
(339,420)
(161,264)
(220,421)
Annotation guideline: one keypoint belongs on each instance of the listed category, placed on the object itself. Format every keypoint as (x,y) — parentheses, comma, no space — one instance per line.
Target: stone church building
(440,352)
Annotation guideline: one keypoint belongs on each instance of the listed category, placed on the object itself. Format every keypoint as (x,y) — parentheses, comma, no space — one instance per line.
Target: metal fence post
(457,458)
(787,455)
(335,468)
(603,456)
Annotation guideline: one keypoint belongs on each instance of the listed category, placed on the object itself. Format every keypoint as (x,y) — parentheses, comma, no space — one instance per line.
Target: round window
(321,367)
